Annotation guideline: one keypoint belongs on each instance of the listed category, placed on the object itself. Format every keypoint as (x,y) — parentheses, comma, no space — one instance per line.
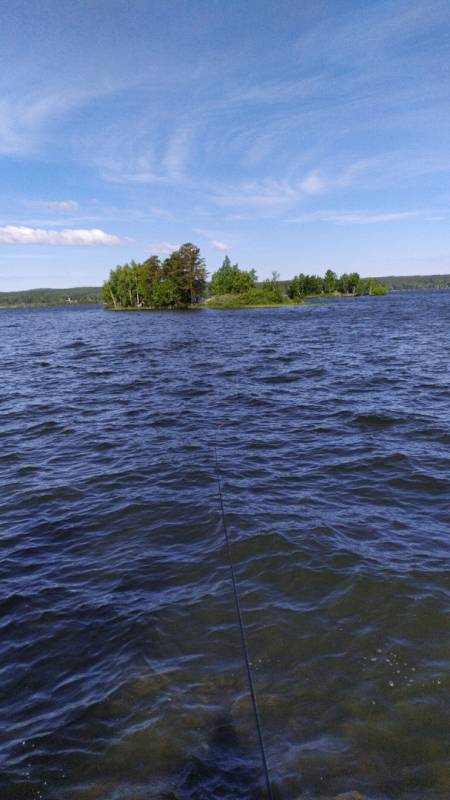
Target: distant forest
(416,281)
(52,297)
(94,294)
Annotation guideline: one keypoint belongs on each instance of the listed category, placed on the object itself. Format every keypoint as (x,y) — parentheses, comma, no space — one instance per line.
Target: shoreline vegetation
(180,282)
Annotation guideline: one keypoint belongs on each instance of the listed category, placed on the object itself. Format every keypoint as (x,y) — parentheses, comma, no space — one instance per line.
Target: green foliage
(258,296)
(229,279)
(379,289)
(187,271)
(164,294)
(295,289)
(271,289)
(347,283)
(370,286)
(268,293)
(178,282)
(312,284)
(304,285)
(329,281)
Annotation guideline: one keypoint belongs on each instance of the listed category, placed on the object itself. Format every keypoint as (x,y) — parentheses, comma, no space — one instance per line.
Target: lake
(120,657)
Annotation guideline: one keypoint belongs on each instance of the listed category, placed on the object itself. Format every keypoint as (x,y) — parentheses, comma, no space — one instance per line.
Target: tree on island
(304,285)
(178,282)
(272,289)
(232,287)
(229,279)
(370,286)
(329,281)
(186,269)
(348,284)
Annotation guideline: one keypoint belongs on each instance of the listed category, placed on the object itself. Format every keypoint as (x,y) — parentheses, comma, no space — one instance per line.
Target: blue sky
(293,136)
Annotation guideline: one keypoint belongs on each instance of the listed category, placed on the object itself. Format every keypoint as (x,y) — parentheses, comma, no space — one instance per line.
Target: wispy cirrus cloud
(177,153)
(159,160)
(267,193)
(313,183)
(26,119)
(161,213)
(20,234)
(218,245)
(214,239)
(270,92)
(272,196)
(367,217)
(371,36)
(53,205)
(161,248)
(319,181)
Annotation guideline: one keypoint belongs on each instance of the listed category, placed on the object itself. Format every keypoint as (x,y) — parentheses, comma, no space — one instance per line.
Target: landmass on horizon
(229,280)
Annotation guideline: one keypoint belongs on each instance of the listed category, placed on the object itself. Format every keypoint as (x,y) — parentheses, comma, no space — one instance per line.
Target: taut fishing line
(243,635)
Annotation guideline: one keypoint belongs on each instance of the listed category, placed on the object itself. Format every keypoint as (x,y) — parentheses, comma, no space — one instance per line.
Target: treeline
(347,284)
(52,297)
(177,282)
(404,282)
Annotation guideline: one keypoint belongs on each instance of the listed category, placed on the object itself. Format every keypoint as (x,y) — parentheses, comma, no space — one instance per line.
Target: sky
(292,136)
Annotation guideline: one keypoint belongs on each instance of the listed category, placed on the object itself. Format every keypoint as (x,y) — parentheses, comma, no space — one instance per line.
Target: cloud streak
(365,217)
(53,205)
(217,245)
(26,120)
(162,248)
(14,234)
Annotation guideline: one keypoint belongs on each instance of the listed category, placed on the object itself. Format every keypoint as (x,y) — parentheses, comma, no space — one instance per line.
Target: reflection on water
(119,649)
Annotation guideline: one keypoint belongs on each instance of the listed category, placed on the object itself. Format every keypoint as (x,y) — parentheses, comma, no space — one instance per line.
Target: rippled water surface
(120,661)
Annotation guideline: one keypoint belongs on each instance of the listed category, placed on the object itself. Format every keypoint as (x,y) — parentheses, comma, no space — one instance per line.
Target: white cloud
(15,234)
(219,245)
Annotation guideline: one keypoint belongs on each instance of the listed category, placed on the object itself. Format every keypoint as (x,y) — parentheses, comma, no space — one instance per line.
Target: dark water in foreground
(119,653)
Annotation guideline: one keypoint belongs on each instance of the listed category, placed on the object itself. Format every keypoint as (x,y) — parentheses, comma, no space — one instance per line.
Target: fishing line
(243,635)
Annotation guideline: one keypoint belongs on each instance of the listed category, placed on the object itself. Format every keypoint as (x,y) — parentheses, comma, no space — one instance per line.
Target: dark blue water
(119,653)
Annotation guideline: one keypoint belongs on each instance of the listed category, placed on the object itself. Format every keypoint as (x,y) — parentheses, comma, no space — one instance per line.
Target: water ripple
(121,669)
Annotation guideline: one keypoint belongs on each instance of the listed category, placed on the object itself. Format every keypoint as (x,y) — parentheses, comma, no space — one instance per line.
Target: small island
(180,282)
